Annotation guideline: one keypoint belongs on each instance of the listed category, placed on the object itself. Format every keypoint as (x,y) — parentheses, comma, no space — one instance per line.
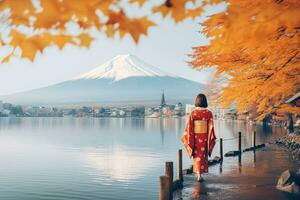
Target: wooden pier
(168,185)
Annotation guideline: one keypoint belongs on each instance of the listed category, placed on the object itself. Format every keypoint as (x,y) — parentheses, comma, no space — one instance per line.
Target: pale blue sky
(165,47)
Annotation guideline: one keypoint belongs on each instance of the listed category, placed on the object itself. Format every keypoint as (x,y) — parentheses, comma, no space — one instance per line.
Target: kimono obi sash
(200,126)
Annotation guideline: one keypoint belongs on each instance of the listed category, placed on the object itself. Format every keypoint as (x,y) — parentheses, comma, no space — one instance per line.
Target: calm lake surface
(98,158)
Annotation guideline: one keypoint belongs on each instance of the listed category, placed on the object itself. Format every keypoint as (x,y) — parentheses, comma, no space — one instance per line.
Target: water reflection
(200,189)
(99,156)
(118,164)
(254,157)
(255,178)
(161,129)
(221,167)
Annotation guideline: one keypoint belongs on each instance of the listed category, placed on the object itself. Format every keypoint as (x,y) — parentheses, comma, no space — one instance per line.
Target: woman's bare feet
(199,178)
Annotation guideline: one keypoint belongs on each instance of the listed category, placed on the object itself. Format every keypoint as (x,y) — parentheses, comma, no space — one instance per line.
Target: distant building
(149,111)
(5,112)
(113,114)
(128,113)
(294,100)
(189,108)
(138,112)
(155,114)
(163,101)
(179,110)
(218,113)
(165,110)
(122,113)
(231,114)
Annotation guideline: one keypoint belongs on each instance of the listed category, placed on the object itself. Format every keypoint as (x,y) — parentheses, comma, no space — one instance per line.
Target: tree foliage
(255,45)
(33,25)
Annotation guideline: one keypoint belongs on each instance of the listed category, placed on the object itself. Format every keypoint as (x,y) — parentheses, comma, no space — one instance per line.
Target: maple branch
(293,75)
(283,66)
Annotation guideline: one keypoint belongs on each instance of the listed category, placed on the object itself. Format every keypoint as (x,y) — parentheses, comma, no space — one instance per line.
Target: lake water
(97,158)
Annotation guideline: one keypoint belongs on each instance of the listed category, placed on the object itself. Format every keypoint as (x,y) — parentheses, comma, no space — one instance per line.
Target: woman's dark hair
(201,101)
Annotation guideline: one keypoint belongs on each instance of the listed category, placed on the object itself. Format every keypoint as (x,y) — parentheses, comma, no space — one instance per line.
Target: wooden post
(253,139)
(221,149)
(179,165)
(240,142)
(164,188)
(169,173)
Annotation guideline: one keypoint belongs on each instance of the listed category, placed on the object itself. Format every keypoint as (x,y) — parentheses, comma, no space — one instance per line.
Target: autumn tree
(28,27)
(256,45)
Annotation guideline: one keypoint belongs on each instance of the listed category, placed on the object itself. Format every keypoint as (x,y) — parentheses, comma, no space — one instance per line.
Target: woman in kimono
(199,136)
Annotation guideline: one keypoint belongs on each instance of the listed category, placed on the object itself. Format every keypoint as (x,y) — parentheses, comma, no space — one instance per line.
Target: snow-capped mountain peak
(123,66)
(124,80)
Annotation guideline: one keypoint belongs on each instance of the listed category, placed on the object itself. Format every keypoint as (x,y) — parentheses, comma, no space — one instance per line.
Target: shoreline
(234,180)
(291,142)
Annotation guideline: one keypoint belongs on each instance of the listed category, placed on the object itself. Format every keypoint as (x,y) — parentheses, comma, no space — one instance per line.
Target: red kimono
(199,138)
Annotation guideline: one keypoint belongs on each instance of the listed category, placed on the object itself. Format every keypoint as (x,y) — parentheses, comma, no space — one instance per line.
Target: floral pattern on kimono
(199,138)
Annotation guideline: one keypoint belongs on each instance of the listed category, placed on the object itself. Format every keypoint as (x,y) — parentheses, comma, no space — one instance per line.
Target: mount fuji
(125,79)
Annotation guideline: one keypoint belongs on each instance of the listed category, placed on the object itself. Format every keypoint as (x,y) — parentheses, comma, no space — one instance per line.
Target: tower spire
(163,101)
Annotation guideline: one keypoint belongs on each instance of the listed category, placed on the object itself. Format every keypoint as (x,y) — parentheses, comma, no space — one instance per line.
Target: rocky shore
(292,142)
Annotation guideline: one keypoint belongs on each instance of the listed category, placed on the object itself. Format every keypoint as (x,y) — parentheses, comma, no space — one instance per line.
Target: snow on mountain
(123,80)
(122,67)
